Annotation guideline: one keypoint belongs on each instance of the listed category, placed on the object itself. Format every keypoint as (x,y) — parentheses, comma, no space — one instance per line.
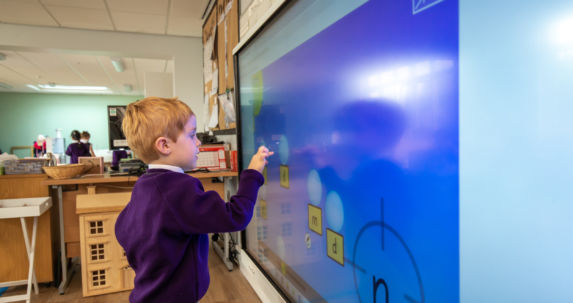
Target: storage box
(24,166)
(212,157)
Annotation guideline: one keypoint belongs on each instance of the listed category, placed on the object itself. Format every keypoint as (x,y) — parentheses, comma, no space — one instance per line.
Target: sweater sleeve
(200,212)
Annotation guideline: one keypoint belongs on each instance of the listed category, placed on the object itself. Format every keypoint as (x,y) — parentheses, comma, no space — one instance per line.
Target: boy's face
(186,149)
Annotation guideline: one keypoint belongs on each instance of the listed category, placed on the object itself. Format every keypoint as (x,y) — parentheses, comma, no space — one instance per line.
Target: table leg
(63,257)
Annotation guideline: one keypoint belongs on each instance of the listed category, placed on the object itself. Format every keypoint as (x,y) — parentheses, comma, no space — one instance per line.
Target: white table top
(24,207)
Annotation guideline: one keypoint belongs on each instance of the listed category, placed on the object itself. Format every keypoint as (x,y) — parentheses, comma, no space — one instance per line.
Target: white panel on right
(516,151)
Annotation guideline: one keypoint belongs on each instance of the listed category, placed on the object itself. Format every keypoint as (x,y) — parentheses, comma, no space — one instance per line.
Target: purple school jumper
(163,230)
(76,150)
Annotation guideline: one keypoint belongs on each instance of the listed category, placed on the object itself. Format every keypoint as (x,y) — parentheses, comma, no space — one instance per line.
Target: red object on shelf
(234,161)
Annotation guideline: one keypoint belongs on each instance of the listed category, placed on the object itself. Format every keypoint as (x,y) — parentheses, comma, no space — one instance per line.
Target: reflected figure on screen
(358,160)
(358,168)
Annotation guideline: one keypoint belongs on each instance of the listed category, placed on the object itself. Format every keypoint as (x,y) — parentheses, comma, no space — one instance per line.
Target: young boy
(163,229)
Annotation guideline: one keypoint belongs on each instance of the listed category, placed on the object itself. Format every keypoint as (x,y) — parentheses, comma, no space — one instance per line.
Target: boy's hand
(259,160)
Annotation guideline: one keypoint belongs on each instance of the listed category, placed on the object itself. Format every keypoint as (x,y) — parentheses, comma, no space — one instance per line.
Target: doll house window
(96,227)
(99,277)
(97,252)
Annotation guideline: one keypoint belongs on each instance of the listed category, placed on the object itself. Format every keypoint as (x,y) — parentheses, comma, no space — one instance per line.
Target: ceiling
(158,17)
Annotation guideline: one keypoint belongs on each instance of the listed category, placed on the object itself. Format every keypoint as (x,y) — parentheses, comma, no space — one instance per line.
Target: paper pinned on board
(215,83)
(207,53)
(226,63)
(214,118)
(226,102)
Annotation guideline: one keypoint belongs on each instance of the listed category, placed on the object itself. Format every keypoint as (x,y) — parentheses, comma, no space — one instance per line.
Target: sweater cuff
(253,174)
(249,182)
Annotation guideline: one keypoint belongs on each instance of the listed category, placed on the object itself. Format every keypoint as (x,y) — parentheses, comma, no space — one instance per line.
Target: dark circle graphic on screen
(384,267)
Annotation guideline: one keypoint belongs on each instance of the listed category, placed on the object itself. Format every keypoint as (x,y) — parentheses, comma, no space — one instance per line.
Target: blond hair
(150,118)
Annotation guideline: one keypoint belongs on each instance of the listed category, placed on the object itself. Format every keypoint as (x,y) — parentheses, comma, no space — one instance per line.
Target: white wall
(158,85)
(185,51)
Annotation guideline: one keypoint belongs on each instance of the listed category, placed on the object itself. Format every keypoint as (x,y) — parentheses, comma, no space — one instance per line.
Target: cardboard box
(97,163)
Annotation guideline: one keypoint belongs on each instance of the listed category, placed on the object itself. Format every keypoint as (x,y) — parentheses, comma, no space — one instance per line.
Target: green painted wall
(23,116)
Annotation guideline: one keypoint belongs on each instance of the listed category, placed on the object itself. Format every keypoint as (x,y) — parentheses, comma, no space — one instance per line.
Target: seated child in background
(163,229)
(85,139)
(40,146)
(76,148)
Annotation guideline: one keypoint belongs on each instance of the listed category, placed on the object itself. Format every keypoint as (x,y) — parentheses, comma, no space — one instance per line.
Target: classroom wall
(24,115)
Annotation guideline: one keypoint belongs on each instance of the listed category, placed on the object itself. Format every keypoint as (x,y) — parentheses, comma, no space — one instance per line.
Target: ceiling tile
(24,12)
(149,65)
(119,79)
(98,4)
(89,68)
(19,65)
(64,77)
(184,27)
(97,19)
(12,78)
(53,68)
(140,23)
(188,8)
(150,7)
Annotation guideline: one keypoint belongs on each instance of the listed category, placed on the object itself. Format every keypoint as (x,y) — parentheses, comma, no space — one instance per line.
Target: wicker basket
(66,171)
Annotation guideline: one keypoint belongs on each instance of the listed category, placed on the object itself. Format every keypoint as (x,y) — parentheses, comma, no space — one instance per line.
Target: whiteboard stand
(66,275)
(223,252)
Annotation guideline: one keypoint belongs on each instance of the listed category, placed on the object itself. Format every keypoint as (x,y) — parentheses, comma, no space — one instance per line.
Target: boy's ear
(163,146)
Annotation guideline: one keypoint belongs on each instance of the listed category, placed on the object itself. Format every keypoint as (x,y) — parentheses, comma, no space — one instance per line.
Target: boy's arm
(205,212)
(69,150)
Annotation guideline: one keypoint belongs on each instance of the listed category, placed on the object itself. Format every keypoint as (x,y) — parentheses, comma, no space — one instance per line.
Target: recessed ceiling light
(117,64)
(53,86)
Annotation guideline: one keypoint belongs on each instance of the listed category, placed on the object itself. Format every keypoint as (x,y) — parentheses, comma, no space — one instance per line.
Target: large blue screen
(361,200)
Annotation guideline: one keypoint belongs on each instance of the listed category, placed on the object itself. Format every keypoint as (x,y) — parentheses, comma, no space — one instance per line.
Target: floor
(225,287)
